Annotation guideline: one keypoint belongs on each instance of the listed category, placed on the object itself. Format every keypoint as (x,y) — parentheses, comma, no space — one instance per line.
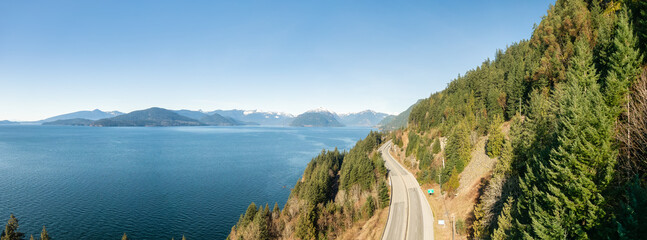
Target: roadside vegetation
(573,164)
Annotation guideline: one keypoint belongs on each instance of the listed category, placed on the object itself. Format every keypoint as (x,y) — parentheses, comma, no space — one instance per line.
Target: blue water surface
(152,183)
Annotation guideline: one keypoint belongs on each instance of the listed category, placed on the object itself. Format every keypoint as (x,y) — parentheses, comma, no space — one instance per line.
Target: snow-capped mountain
(257,116)
(367,118)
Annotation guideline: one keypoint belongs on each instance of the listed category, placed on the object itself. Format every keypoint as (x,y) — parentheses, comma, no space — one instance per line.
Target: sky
(286,56)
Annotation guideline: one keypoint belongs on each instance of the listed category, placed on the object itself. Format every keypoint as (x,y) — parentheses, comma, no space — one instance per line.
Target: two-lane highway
(410,216)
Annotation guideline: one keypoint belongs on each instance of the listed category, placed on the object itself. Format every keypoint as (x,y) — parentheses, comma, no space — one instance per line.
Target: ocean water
(152,183)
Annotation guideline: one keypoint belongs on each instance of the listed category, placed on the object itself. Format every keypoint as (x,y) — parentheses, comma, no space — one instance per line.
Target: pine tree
(260,220)
(504,222)
(11,230)
(249,215)
(183,238)
(624,64)
(453,182)
(561,197)
(632,216)
(496,138)
(276,208)
(266,210)
(603,24)
(384,194)
(31,237)
(435,147)
(276,212)
(640,23)
(44,235)
(306,224)
(124,237)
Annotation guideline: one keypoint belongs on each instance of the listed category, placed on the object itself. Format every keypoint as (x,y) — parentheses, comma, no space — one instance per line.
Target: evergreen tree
(266,210)
(183,238)
(632,217)
(306,224)
(260,220)
(453,182)
(562,196)
(639,12)
(11,230)
(458,150)
(276,208)
(384,194)
(31,237)
(124,237)
(496,138)
(504,222)
(435,147)
(624,64)
(44,235)
(249,214)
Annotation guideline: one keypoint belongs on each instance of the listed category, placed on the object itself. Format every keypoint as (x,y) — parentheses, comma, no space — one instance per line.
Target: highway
(410,216)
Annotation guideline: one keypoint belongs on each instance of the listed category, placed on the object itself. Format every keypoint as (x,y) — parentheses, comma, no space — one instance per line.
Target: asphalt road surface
(410,216)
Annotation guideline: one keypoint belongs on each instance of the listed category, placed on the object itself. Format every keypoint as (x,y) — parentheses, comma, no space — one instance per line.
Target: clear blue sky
(290,56)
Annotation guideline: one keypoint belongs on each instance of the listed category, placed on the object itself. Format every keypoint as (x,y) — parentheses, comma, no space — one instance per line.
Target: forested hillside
(574,164)
(338,191)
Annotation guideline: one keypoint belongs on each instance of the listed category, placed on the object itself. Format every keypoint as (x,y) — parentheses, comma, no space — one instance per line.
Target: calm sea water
(152,183)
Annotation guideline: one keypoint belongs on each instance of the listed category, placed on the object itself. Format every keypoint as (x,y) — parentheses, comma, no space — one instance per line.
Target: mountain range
(152,117)
(256,116)
(367,118)
(162,117)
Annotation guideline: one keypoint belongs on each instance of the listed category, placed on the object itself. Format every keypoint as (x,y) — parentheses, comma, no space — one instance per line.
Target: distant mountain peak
(368,118)
(320,110)
(316,119)
(367,111)
(91,115)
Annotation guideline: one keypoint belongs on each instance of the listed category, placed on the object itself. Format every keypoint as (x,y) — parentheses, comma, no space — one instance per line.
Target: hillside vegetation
(338,192)
(396,122)
(574,163)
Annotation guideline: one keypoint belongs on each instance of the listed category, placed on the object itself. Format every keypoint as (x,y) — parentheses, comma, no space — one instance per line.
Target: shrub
(369,207)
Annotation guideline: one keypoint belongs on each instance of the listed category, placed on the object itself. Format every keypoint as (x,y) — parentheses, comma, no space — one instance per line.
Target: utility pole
(453,226)
(440,185)
(443,161)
